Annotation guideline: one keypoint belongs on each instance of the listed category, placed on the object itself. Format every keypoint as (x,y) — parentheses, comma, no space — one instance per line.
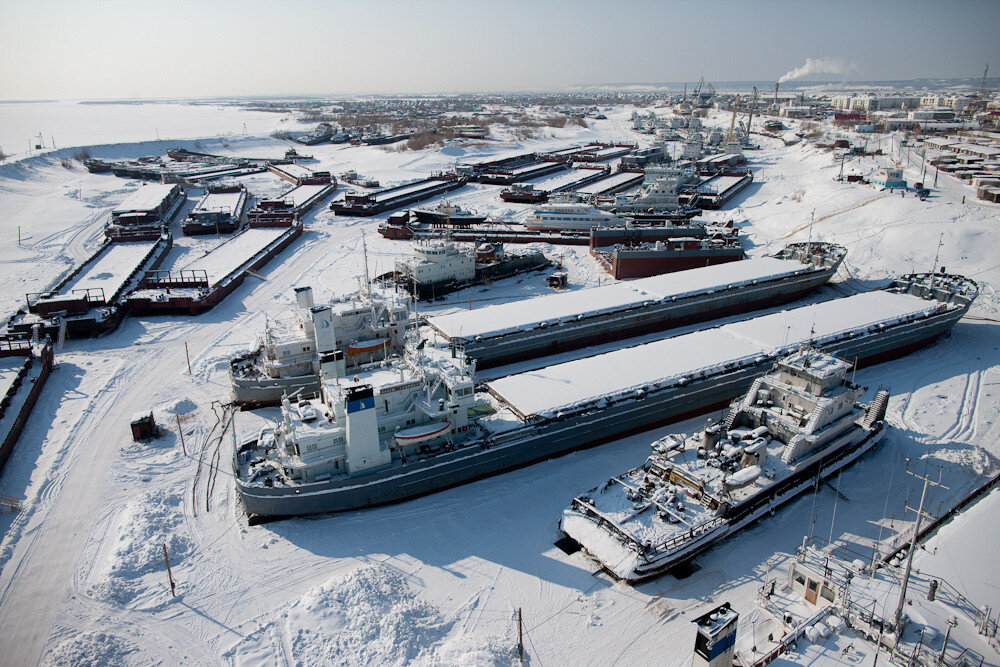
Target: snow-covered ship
(402,412)
(447,214)
(796,425)
(365,327)
(440,267)
(540,414)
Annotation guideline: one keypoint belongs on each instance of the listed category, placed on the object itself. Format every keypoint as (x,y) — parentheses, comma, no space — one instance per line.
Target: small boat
(418,434)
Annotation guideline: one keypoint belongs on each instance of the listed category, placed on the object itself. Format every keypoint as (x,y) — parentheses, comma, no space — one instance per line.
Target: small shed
(889,177)
(143,426)
(558,279)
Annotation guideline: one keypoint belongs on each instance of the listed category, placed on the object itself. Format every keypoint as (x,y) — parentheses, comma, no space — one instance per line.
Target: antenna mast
(913,543)
(368,281)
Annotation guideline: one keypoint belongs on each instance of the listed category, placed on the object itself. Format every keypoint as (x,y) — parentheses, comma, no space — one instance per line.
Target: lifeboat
(422,433)
(367,346)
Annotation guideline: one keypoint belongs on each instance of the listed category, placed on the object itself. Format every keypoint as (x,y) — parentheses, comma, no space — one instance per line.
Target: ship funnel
(304,297)
(364,451)
(332,365)
(326,336)
(711,436)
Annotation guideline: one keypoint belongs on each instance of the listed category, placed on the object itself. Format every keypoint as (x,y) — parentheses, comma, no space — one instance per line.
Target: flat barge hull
(629,263)
(393,198)
(79,305)
(21,393)
(619,324)
(547,437)
(168,294)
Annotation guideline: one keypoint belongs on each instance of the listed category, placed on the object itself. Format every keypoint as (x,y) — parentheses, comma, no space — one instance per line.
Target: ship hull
(502,350)
(436,218)
(549,438)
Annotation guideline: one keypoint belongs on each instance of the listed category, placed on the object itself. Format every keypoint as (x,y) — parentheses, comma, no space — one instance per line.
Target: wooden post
(188,355)
(470,302)
(170,575)
(180,432)
(520,629)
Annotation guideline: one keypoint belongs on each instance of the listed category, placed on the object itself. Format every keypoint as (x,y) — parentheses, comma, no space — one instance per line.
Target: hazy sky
(172,48)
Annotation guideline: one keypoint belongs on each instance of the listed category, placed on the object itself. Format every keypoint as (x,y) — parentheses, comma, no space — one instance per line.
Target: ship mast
(368,281)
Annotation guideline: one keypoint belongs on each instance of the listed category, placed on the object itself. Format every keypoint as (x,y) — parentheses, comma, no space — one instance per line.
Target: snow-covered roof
(554,308)
(563,385)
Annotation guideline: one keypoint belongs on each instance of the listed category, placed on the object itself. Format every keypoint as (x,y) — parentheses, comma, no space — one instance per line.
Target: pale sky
(182,48)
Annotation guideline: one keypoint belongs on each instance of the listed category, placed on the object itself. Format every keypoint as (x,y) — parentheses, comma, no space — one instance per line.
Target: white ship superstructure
(797,423)
(364,327)
(569,217)
(367,422)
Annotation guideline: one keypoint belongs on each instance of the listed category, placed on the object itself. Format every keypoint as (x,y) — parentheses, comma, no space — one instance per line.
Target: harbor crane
(732,123)
(982,84)
(745,129)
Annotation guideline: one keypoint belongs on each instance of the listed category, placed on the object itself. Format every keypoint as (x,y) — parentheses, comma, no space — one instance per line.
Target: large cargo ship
(554,323)
(796,425)
(315,461)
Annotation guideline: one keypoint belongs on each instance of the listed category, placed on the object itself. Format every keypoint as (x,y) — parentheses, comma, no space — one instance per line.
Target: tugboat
(447,215)
(795,426)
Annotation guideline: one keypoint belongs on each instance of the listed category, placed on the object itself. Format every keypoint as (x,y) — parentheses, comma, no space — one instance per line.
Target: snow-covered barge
(504,333)
(142,215)
(796,425)
(219,211)
(203,283)
(638,258)
(298,174)
(92,299)
(546,413)
(373,203)
(25,364)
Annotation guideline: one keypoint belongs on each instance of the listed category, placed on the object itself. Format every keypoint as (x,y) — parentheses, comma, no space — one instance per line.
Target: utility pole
(170,576)
(913,544)
(520,636)
(180,432)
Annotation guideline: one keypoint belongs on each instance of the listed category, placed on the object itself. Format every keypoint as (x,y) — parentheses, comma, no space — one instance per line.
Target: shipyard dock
(505,333)
(24,367)
(373,203)
(91,300)
(511,175)
(203,283)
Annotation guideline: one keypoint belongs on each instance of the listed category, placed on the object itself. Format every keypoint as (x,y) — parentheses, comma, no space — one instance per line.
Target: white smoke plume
(816,66)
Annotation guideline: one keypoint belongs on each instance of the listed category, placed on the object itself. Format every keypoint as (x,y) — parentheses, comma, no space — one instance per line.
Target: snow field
(453,566)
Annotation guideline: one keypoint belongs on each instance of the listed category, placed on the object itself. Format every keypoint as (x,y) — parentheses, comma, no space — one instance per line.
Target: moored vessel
(796,425)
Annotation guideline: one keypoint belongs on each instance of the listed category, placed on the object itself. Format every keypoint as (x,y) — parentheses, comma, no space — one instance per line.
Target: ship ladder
(876,409)
(10,502)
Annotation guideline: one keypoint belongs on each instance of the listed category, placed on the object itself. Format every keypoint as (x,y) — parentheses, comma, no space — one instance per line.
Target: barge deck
(505,333)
